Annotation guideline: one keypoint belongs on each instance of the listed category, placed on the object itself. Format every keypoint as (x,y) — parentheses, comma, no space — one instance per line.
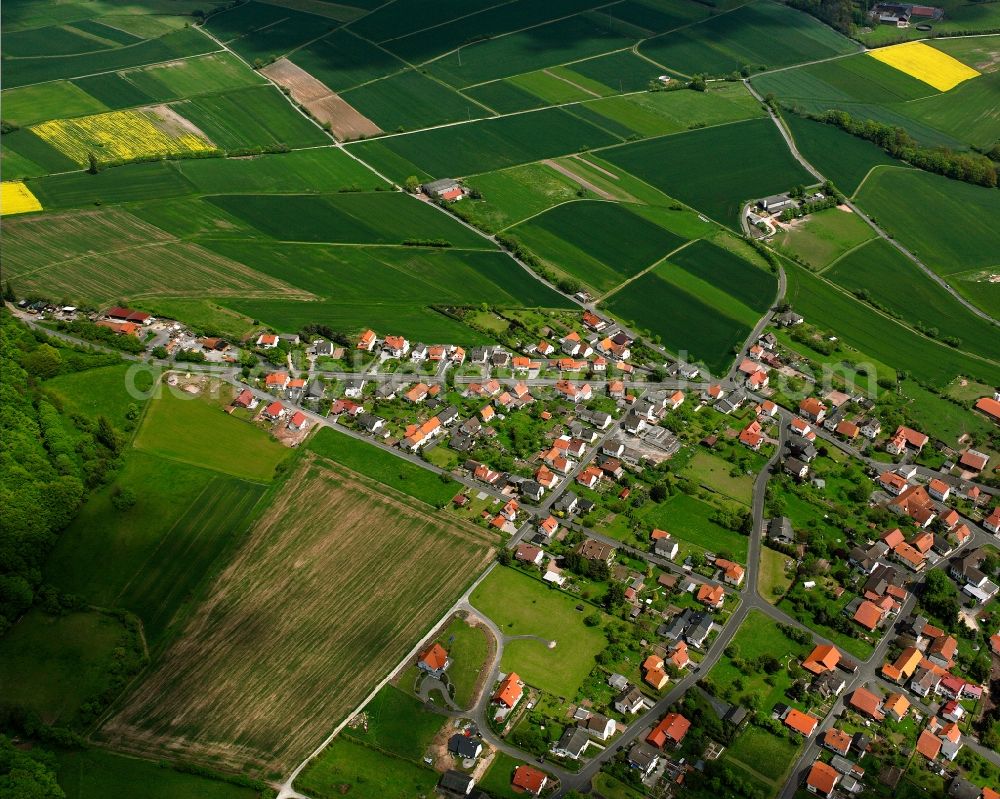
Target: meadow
(342,60)
(600,243)
(263,31)
(193,429)
(366,773)
(483,146)
(822,238)
(99,774)
(522,605)
(960,237)
(967,113)
(52,665)
(894,282)
(878,336)
(468,649)
(712,471)
(718,184)
(27,155)
(758,35)
(514,194)
(31,104)
(351,217)
(624,70)
(688,519)
(840,157)
(252,642)
(152,557)
(398,724)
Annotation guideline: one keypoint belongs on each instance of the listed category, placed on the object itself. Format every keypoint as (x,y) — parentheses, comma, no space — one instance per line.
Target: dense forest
(49,459)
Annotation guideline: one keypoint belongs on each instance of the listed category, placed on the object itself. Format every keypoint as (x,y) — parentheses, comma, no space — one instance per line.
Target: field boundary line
(447,21)
(871,171)
(648,269)
(548,71)
(844,254)
(551,66)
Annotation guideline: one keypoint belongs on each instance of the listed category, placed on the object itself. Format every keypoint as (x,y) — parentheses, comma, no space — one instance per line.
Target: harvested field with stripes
(92,257)
(335,584)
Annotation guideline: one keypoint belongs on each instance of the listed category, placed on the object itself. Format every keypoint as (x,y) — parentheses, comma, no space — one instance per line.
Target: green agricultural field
(261,31)
(251,118)
(177,44)
(410,280)
(58,40)
(152,557)
(410,100)
(52,665)
(821,239)
(482,146)
(877,336)
(427,42)
(507,96)
(352,217)
(343,60)
(696,302)
(622,71)
(839,156)
(978,52)
(522,605)
(967,113)
(35,156)
(557,42)
(385,23)
(600,243)
(98,774)
(511,195)
(366,773)
(59,98)
(959,241)
(369,460)
(757,35)
(709,169)
(120,184)
(895,282)
(320,170)
(657,113)
(397,724)
(115,90)
(195,430)
(689,519)
(219,72)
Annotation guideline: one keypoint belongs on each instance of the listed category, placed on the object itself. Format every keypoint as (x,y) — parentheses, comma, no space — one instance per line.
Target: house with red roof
(274,411)
(822,779)
(298,421)
(916,503)
(866,703)
(367,341)
(510,691)
(973,460)
(837,741)
(529,780)
(992,522)
(711,596)
(812,409)
(803,723)
(939,489)
(732,573)
(246,399)
(669,732)
(434,660)
(893,482)
(276,380)
(906,439)
(752,435)
(267,341)
(990,407)
(823,658)
(868,615)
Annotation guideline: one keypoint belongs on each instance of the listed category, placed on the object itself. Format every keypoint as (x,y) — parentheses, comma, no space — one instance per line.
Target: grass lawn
(102,391)
(687,519)
(610,788)
(348,768)
(96,774)
(712,471)
(765,754)
(52,665)
(821,238)
(759,635)
(194,430)
(496,781)
(468,649)
(397,724)
(773,582)
(151,557)
(380,465)
(521,605)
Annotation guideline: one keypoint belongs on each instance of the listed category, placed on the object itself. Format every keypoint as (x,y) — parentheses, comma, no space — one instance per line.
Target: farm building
(444,189)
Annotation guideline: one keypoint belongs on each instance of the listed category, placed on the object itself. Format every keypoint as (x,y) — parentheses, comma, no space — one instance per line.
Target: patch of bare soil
(323,103)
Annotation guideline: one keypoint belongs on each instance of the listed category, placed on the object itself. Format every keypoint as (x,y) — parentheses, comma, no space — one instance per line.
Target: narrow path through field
(582,181)
(647,270)
(583,89)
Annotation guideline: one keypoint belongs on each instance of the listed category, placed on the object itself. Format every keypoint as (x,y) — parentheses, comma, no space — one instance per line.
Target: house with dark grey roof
(572,744)
(465,746)
(456,783)
(780,530)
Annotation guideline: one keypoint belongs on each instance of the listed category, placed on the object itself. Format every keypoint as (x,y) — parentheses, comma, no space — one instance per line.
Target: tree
(615,595)
(109,436)
(940,597)
(411,184)
(504,556)
(26,776)
(92,166)
(123,498)
(592,620)
(44,362)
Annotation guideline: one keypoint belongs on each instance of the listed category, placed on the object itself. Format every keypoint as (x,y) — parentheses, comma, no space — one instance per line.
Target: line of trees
(968,167)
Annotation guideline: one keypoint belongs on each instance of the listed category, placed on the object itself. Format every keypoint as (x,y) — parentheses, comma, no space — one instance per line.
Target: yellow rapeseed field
(16,198)
(925,63)
(118,136)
